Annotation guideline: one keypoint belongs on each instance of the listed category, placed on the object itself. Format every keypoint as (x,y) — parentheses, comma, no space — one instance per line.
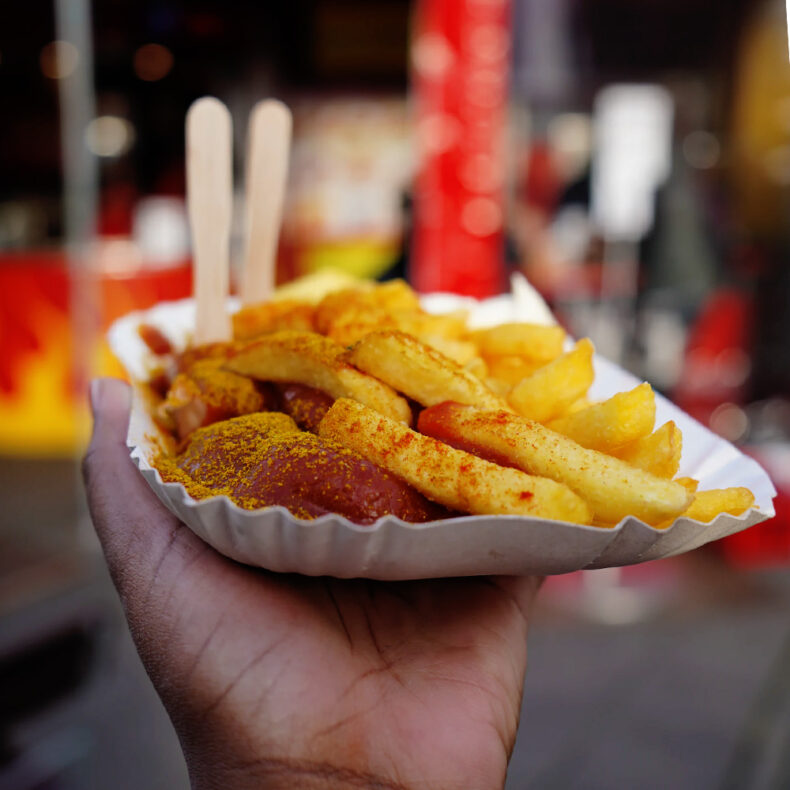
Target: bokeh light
(152,62)
(58,59)
(109,136)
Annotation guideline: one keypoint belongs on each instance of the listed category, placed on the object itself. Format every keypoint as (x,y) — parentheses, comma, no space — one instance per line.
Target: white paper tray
(468,546)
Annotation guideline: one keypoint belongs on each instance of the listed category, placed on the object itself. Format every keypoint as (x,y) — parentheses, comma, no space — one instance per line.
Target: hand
(288,681)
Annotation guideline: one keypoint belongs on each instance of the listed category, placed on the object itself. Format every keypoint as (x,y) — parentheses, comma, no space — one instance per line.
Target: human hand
(288,681)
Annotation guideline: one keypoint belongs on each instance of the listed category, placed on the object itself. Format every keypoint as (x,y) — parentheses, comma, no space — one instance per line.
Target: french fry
(443,332)
(611,487)
(450,477)
(658,452)
(709,504)
(689,483)
(578,405)
(315,361)
(477,367)
(420,372)
(550,390)
(460,351)
(420,324)
(354,323)
(511,369)
(259,319)
(623,418)
(392,296)
(534,341)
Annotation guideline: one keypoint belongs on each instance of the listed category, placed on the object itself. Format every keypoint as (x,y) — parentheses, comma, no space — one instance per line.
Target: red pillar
(460,66)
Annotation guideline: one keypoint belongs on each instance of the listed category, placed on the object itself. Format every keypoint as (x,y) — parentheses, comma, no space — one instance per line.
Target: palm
(416,680)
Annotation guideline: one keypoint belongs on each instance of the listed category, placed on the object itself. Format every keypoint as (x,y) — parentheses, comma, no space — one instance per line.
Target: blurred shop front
(632,159)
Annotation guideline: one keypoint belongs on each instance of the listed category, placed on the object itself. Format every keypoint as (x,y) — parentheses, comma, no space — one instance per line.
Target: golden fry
(689,483)
(315,361)
(611,487)
(477,367)
(260,319)
(658,453)
(390,297)
(534,341)
(550,390)
(451,477)
(460,351)
(511,369)
(418,371)
(623,418)
(709,504)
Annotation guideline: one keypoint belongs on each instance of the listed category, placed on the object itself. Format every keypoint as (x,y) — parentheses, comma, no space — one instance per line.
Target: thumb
(111,401)
(136,531)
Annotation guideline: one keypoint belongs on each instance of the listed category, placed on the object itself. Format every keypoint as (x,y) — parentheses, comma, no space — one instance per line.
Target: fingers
(136,531)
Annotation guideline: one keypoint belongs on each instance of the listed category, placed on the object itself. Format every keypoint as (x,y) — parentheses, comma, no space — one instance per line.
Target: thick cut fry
(418,371)
(578,405)
(391,297)
(351,325)
(477,367)
(449,325)
(260,319)
(315,361)
(611,487)
(460,351)
(550,390)
(658,453)
(450,477)
(534,341)
(512,369)
(624,418)
(709,504)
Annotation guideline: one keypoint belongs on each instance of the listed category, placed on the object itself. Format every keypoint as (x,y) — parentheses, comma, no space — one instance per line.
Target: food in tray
(362,403)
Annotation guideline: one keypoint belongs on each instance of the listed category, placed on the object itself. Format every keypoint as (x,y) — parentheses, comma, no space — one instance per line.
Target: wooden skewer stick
(210,202)
(267,172)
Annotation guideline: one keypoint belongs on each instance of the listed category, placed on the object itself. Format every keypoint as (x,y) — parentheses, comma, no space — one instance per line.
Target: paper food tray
(391,549)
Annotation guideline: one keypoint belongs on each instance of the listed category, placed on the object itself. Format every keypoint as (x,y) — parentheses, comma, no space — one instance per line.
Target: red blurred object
(460,56)
(542,183)
(715,372)
(36,284)
(716,367)
(767,544)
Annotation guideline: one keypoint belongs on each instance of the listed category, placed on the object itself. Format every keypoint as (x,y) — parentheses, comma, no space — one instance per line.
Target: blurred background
(632,159)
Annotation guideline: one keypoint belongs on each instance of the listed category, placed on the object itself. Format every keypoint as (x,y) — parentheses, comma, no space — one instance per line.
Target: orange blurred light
(58,59)
(152,62)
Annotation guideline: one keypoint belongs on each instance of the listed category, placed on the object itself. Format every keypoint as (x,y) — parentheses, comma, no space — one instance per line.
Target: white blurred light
(59,59)
(481,217)
(729,421)
(109,136)
(152,62)
(633,155)
(701,150)
(161,230)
